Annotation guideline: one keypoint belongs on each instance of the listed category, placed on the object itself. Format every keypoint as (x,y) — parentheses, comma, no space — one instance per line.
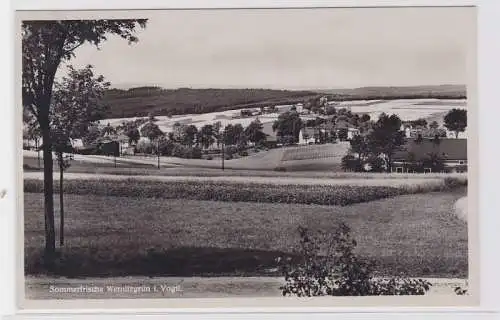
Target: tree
(434,125)
(419,123)
(343,134)
(288,126)
(456,120)
(330,110)
(217,132)
(32,132)
(386,137)
(434,161)
(92,135)
(151,131)
(231,134)
(360,145)
(108,130)
(132,133)
(254,132)
(189,135)
(206,136)
(45,44)
(365,118)
(76,103)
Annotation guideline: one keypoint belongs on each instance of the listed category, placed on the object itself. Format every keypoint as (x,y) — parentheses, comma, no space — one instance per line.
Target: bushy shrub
(351,163)
(230,150)
(196,152)
(328,266)
(166,147)
(178,150)
(210,158)
(377,164)
(243,153)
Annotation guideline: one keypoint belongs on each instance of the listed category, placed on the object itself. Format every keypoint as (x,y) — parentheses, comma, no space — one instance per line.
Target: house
(308,135)
(268,109)
(453,153)
(284,108)
(299,107)
(344,126)
(77,143)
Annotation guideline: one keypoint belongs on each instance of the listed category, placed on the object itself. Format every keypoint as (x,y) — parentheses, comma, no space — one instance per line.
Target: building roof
(450,149)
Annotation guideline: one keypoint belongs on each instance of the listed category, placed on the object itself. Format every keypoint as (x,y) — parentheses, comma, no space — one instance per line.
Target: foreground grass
(116,236)
(324,194)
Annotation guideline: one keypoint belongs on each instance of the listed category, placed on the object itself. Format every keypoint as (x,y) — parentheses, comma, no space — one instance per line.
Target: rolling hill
(409,92)
(141,101)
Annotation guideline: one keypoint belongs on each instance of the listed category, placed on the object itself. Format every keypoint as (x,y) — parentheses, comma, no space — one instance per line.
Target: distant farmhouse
(328,132)
(453,153)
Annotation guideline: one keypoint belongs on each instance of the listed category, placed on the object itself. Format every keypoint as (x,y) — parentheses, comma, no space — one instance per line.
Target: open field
(111,236)
(141,101)
(299,158)
(335,151)
(185,171)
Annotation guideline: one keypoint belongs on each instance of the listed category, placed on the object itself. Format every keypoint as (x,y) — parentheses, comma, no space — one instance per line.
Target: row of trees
(190,136)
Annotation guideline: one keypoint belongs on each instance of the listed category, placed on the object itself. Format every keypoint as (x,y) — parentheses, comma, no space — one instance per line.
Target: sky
(290,49)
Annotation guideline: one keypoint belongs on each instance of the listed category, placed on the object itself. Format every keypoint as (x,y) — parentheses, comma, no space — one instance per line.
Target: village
(427,147)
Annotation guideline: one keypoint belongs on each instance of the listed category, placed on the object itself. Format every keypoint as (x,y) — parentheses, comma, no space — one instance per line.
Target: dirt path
(240,179)
(176,287)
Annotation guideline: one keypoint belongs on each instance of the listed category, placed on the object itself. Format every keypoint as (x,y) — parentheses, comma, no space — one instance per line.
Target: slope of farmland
(139,102)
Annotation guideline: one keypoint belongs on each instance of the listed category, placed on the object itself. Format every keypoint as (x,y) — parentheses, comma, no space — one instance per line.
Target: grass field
(173,170)
(110,236)
(337,150)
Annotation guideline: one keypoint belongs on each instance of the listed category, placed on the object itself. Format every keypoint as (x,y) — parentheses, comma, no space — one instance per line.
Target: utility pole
(158,151)
(222,156)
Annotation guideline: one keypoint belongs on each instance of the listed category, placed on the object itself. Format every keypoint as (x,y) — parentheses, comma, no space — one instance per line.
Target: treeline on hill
(143,101)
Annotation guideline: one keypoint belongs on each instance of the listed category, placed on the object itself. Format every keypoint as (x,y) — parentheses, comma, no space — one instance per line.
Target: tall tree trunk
(456,134)
(389,163)
(37,152)
(48,190)
(61,202)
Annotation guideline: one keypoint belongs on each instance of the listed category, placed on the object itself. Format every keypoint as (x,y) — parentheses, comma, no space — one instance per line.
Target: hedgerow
(235,192)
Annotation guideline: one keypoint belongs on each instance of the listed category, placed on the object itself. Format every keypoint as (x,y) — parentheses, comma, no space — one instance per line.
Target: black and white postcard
(248,157)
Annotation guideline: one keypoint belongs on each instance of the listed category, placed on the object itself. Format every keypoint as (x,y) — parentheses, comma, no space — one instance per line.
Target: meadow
(108,235)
